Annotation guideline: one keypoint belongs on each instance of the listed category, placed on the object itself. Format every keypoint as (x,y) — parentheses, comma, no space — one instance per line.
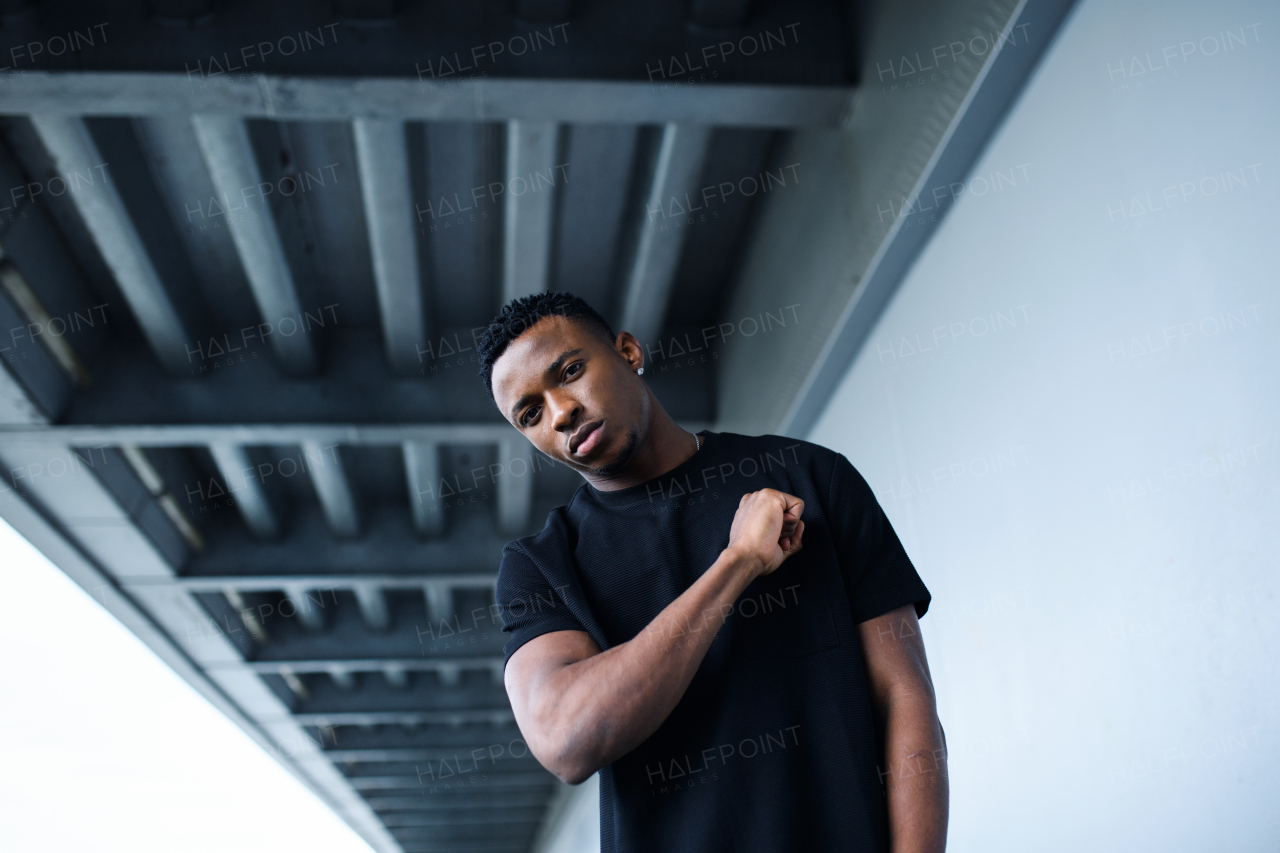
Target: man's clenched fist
(767,528)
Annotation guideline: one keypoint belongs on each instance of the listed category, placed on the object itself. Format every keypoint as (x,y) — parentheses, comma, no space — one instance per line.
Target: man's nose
(564,410)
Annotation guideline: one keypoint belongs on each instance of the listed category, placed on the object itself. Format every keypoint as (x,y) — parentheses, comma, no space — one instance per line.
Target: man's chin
(620,460)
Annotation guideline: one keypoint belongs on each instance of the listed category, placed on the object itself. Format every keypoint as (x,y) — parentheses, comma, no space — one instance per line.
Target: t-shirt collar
(641,492)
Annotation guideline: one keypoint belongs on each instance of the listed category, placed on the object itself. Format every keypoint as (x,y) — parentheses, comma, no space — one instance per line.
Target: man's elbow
(575,776)
(572,764)
(569,752)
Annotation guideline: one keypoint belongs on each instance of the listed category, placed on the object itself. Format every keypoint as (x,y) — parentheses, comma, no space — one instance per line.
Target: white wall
(1089,484)
(574,826)
(104,748)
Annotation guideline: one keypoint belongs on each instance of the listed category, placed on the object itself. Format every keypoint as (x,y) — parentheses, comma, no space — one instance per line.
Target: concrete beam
(461,799)
(383,158)
(267,583)
(357,388)
(106,522)
(498,812)
(228,153)
(429,694)
(435,737)
(304,605)
(438,595)
(183,183)
(492,716)
(396,676)
(16,405)
(676,172)
(33,388)
(333,488)
(515,483)
(49,370)
(376,756)
(187,435)
(507,780)
(281,98)
(373,605)
(96,198)
(530,207)
(342,677)
(389,547)
(422,474)
(239,474)
(410,664)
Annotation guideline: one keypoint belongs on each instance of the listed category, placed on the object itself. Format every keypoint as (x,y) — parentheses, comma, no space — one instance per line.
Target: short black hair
(519,315)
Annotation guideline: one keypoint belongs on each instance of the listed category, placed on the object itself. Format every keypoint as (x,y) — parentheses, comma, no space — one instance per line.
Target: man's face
(573,395)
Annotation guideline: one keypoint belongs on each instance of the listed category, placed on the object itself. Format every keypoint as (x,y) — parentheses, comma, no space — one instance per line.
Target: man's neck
(666,446)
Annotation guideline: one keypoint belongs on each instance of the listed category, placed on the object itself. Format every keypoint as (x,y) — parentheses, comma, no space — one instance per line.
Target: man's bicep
(893,649)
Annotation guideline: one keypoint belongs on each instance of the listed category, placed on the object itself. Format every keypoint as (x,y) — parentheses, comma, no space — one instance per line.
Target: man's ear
(629,348)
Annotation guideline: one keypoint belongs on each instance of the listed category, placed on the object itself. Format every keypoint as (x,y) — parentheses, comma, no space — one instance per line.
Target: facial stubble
(620,461)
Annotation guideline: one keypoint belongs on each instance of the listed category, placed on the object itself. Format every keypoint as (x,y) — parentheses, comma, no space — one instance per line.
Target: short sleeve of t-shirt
(878,574)
(527,602)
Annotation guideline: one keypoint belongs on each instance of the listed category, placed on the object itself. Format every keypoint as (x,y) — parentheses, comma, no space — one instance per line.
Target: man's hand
(767,529)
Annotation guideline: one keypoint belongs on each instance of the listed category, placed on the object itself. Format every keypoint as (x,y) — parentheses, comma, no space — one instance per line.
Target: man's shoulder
(796,450)
(550,543)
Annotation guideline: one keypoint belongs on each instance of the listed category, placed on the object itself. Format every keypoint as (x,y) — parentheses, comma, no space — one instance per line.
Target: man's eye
(529,413)
(576,368)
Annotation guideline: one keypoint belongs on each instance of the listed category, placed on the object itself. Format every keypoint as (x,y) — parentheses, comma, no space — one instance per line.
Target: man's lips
(585,439)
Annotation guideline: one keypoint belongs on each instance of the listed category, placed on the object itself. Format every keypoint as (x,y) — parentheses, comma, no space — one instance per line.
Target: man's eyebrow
(552,369)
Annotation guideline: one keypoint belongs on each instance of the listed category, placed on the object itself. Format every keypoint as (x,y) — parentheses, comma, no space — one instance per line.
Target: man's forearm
(607,704)
(916,777)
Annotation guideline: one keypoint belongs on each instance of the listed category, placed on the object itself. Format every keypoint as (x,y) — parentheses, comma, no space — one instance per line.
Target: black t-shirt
(774,746)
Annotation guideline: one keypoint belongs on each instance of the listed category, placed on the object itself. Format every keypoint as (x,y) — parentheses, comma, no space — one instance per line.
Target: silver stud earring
(640,372)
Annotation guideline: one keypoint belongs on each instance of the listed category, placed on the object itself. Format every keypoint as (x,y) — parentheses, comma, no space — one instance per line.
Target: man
(723,626)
